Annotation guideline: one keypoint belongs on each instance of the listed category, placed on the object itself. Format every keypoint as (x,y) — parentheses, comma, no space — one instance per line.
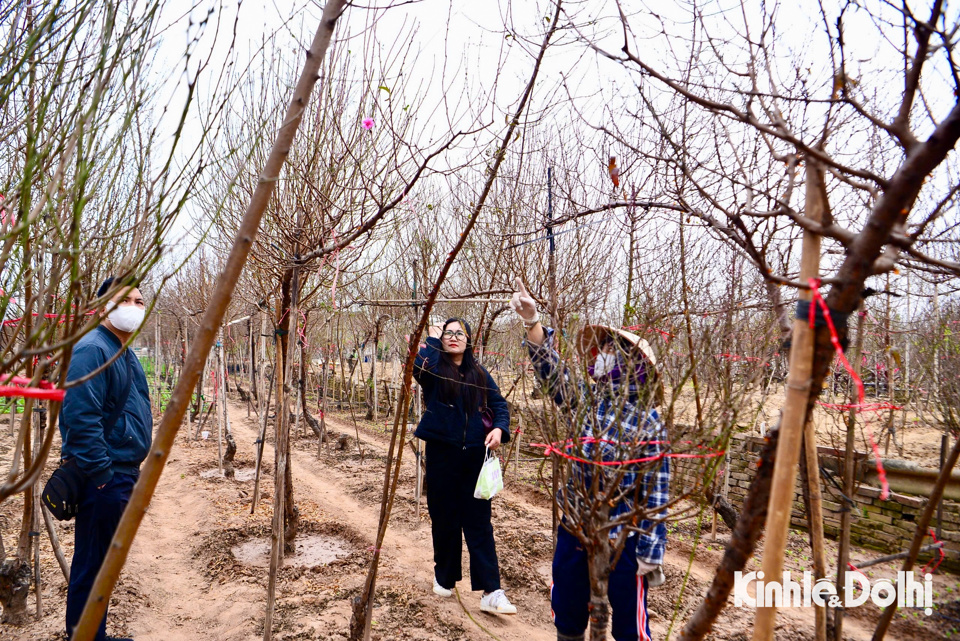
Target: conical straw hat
(588,344)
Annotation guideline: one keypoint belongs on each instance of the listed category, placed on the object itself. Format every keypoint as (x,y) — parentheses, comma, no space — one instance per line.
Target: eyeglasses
(456,334)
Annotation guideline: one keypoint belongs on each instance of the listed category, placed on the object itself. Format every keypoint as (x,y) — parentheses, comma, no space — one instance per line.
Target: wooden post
(815,520)
(281,446)
(183,369)
(219,391)
(794,414)
(418,489)
(323,402)
(373,371)
(263,357)
(944,446)
(35,517)
(252,364)
(849,465)
(156,354)
(919,535)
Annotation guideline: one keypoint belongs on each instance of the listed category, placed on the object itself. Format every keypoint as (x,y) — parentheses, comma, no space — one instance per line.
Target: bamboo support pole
(418,490)
(794,416)
(261,438)
(923,523)
(284,365)
(35,517)
(219,391)
(109,572)
(815,521)
(323,406)
(156,354)
(55,543)
(849,464)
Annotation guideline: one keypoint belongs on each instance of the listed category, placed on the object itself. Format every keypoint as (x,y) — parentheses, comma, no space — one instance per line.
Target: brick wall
(887,526)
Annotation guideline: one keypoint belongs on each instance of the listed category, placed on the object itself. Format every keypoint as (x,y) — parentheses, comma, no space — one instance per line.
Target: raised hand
(523,304)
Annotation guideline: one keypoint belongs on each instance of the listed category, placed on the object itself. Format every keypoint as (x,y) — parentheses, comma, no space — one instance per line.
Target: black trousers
(452,473)
(100,512)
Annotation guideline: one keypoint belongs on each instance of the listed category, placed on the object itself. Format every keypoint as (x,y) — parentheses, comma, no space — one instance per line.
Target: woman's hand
(526,308)
(434,331)
(493,438)
(523,303)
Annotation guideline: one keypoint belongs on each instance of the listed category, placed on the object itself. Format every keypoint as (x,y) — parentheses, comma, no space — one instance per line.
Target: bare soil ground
(196,569)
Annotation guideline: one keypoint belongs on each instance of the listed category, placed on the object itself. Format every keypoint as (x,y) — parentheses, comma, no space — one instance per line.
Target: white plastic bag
(490,480)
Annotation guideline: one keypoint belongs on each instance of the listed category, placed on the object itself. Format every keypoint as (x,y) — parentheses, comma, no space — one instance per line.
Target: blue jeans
(100,512)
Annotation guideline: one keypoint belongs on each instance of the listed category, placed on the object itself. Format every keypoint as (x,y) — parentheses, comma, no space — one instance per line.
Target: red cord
(861,405)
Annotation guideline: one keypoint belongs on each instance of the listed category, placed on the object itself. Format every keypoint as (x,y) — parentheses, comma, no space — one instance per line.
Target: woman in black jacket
(456,388)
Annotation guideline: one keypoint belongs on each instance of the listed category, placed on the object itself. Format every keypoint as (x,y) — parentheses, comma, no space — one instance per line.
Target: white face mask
(126,318)
(604,364)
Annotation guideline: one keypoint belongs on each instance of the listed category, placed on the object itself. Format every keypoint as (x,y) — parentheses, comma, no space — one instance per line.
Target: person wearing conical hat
(617,421)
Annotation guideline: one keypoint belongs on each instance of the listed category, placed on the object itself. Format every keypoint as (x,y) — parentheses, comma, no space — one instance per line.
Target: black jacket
(450,422)
(87,406)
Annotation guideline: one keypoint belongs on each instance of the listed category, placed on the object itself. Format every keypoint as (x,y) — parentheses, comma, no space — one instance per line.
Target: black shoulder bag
(61,494)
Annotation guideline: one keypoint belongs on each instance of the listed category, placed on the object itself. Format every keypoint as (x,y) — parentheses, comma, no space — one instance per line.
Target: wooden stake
(815,520)
(55,542)
(789,444)
(261,438)
(849,464)
(919,535)
(133,515)
(281,447)
(156,354)
(219,390)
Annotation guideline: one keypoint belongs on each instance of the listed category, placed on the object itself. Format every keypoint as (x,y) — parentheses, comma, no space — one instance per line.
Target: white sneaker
(497,602)
(439,590)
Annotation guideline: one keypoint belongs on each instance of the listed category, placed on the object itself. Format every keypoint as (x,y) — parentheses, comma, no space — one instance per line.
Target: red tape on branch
(45,392)
(935,561)
(559,448)
(861,405)
(63,318)
(647,328)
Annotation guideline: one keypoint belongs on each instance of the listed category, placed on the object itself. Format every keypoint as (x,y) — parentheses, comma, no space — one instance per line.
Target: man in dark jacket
(106,426)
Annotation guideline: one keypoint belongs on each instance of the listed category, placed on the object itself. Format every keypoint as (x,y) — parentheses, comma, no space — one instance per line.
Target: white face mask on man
(604,364)
(126,318)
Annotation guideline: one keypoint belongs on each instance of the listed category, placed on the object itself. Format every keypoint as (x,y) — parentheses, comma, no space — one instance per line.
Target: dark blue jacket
(87,406)
(450,422)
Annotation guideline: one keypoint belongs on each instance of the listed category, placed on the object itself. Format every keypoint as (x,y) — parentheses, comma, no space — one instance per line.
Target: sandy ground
(196,571)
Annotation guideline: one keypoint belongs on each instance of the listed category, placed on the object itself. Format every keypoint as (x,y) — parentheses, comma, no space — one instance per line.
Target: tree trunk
(599,567)
(599,617)
(14,588)
(228,455)
(741,546)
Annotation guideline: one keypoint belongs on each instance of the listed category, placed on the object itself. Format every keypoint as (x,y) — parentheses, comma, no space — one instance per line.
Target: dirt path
(180,603)
(342,486)
(193,572)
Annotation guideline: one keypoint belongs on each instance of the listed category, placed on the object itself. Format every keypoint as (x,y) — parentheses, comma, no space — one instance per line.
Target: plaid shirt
(619,421)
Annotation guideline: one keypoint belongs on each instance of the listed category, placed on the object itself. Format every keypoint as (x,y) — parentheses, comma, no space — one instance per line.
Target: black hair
(469,380)
(110,280)
(105,286)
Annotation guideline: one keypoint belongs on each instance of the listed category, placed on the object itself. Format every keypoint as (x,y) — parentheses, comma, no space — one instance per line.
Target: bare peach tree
(95,175)
(742,117)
